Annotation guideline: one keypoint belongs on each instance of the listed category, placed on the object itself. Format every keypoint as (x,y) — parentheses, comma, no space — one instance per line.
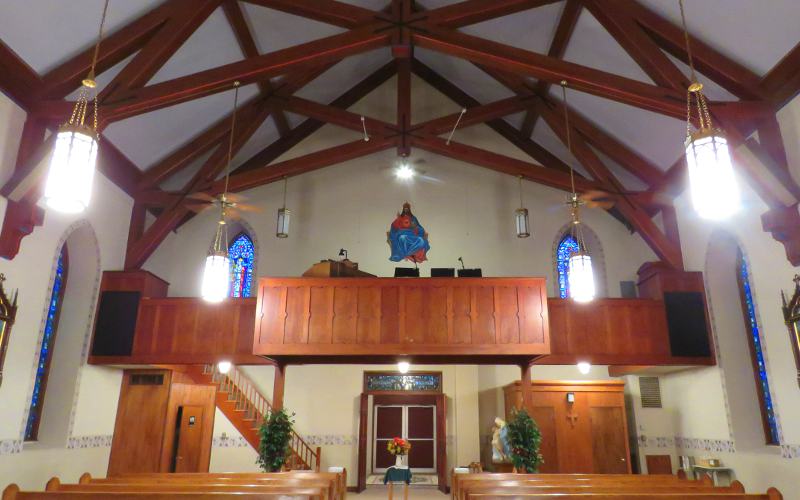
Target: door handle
(622,459)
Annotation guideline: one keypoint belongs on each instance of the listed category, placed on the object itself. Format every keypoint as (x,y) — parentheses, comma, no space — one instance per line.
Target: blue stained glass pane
(241,252)
(754,334)
(46,349)
(567,247)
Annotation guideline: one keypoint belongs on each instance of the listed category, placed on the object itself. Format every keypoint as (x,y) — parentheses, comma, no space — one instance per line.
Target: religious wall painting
(407,238)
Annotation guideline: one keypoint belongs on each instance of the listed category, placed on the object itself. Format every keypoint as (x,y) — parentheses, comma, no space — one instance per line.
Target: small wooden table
(396,475)
(715,472)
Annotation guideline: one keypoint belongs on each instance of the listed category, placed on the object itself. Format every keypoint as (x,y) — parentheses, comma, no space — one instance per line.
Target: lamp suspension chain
(230,138)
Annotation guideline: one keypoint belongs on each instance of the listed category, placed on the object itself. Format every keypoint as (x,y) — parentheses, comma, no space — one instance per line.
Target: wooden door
(545,417)
(658,464)
(609,450)
(421,433)
(388,424)
(189,438)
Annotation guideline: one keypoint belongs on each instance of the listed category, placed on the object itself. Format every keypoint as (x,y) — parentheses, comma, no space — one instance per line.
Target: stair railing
(255,406)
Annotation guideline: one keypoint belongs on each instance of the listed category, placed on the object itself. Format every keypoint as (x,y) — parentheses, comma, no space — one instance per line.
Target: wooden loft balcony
(378,320)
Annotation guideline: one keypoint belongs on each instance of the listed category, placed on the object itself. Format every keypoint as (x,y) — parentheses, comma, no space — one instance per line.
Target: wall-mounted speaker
(686,323)
(116,323)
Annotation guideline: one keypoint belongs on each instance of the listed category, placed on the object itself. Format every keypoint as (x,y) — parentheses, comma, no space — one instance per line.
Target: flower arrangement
(398,446)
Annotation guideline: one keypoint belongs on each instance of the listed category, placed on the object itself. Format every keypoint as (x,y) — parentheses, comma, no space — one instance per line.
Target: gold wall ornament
(791,315)
(8,312)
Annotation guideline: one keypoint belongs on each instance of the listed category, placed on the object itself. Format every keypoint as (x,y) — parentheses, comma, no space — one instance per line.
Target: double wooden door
(417,424)
(583,425)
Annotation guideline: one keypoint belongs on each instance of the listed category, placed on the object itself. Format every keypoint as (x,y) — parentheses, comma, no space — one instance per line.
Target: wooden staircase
(242,403)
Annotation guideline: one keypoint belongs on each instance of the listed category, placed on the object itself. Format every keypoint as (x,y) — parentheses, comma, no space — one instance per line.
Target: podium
(336,269)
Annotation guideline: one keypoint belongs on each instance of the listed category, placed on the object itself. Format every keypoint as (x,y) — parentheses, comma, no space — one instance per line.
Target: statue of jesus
(407,237)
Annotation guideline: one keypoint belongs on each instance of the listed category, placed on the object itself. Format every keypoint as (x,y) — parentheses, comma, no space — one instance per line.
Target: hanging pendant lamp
(580,275)
(521,216)
(217,271)
(68,187)
(282,230)
(713,187)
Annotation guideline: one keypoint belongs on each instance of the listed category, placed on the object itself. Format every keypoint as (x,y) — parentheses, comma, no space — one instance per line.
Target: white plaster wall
(81,401)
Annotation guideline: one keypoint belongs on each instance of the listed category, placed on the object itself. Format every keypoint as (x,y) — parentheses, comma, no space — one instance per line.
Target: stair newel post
(319,456)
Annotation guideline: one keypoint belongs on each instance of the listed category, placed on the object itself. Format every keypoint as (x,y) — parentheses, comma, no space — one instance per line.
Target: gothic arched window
(756,352)
(46,349)
(242,253)
(567,247)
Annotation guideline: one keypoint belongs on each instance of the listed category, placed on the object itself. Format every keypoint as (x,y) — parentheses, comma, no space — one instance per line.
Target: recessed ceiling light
(584,367)
(403,366)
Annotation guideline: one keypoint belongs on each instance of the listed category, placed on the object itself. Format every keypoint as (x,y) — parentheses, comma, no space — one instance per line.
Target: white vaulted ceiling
(45,33)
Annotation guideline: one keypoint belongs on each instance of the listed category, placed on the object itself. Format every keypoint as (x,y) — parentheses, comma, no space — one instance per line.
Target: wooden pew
(576,479)
(12,492)
(323,489)
(336,481)
(772,494)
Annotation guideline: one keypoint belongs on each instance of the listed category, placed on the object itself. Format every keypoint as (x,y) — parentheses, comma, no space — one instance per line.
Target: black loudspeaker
(116,323)
(443,272)
(406,272)
(470,273)
(686,323)
(627,289)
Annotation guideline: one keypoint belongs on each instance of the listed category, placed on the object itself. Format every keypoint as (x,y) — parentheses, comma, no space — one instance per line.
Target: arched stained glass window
(757,353)
(46,349)
(241,253)
(567,247)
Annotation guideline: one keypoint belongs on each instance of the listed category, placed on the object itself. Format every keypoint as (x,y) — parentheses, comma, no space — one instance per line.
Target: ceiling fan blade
(201,196)
(198,207)
(235,198)
(245,207)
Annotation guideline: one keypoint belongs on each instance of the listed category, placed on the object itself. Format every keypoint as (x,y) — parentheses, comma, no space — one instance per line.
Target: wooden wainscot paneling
(184,330)
(332,318)
(609,331)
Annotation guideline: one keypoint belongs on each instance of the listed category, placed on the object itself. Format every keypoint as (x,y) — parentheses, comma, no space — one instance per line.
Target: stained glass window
(757,351)
(241,253)
(567,247)
(46,350)
(423,382)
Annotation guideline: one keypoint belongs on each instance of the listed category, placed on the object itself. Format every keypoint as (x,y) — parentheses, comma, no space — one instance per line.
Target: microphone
(462,262)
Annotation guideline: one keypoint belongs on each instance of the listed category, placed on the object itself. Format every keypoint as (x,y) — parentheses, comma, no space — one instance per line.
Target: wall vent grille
(147,379)
(650,389)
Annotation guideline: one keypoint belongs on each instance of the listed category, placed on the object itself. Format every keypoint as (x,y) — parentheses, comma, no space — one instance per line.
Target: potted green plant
(525,440)
(275,433)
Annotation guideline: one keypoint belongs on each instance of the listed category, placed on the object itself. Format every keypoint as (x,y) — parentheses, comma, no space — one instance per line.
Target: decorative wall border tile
(225,441)
(790,450)
(80,442)
(10,446)
(716,445)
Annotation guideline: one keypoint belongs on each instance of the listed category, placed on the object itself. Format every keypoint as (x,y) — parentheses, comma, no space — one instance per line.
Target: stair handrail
(249,399)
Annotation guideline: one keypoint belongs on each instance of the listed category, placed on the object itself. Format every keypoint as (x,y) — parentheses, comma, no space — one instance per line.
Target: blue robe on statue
(406,237)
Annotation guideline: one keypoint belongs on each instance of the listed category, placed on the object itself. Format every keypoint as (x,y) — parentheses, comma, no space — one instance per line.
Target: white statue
(500,449)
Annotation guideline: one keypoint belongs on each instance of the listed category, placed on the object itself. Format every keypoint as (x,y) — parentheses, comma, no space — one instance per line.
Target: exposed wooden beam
(403,103)
(308,127)
(477,114)
(67,76)
(335,115)
(233,11)
(500,163)
(500,126)
(627,158)
(566,25)
(160,47)
(341,14)
(469,12)
(523,62)
(117,167)
(639,218)
(642,49)
(782,83)
(302,164)
(17,80)
(311,54)
(731,75)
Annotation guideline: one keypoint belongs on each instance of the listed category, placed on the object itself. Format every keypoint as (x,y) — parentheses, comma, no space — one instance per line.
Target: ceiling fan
(230,204)
(607,199)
